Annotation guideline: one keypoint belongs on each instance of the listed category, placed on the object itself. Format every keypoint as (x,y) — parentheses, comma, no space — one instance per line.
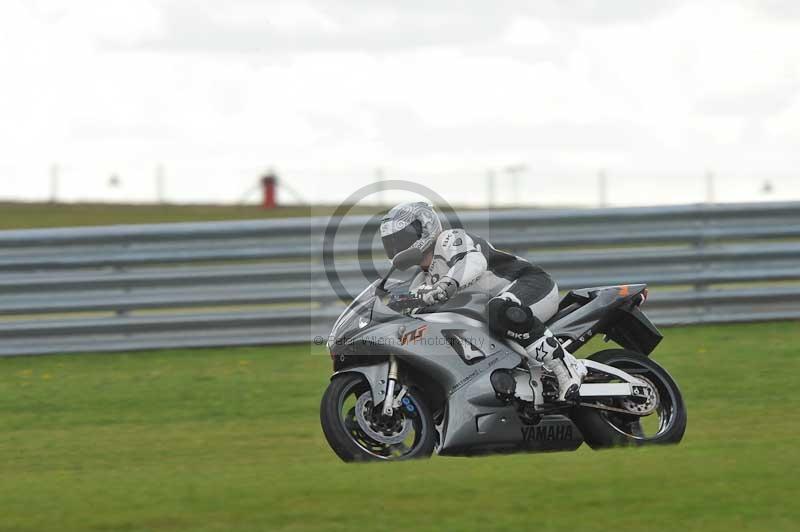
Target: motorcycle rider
(524,295)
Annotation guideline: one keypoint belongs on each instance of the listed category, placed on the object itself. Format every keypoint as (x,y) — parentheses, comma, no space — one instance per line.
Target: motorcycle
(410,379)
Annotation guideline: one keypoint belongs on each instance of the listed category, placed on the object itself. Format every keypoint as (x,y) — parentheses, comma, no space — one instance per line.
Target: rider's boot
(566,368)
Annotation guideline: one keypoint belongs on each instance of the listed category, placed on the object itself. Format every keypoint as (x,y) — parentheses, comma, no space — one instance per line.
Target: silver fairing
(455,349)
(475,420)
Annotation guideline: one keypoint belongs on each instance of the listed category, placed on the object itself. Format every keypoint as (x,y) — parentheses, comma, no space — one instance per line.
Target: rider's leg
(518,313)
(567,369)
(544,309)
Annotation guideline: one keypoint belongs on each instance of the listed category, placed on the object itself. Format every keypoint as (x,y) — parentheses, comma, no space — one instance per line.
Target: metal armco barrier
(264,282)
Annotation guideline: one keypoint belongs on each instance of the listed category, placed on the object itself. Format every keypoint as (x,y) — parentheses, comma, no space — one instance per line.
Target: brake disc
(645,404)
(389,435)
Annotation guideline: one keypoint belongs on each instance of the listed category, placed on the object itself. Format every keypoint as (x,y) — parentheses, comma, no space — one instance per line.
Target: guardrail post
(701,245)
(121,312)
(119,270)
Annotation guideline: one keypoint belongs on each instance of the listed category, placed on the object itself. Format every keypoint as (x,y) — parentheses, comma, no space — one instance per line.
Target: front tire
(356,431)
(603,429)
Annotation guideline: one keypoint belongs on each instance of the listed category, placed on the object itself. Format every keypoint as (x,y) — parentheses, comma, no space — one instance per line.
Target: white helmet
(410,225)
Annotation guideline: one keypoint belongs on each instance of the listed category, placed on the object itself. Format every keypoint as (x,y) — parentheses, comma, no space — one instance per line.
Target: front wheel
(356,430)
(665,423)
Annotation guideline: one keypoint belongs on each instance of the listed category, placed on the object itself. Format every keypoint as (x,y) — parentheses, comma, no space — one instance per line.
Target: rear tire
(603,430)
(351,443)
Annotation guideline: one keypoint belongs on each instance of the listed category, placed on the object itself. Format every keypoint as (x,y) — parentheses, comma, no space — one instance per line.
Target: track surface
(230,440)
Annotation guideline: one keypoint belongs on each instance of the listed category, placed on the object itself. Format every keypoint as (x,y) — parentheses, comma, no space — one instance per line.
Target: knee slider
(511,320)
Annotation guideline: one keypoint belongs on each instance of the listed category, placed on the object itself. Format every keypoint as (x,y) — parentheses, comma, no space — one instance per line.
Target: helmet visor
(401,240)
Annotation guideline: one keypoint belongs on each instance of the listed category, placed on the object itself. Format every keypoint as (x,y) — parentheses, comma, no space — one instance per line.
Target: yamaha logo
(561,432)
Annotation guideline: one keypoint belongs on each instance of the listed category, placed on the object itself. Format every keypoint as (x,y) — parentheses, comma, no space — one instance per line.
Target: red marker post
(269,184)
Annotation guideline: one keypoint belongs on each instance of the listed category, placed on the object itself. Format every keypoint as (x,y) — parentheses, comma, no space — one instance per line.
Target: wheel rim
(654,425)
(384,438)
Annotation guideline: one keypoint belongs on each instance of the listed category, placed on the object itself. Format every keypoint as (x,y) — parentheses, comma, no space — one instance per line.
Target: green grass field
(14,215)
(230,440)
(19,215)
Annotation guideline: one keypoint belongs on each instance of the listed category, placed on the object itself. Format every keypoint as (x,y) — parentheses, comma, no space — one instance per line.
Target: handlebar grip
(407,303)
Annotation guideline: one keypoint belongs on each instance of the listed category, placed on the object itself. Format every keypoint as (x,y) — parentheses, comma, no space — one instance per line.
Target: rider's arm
(463,257)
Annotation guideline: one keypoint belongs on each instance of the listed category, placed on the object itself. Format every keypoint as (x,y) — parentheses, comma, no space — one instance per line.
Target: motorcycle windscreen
(360,307)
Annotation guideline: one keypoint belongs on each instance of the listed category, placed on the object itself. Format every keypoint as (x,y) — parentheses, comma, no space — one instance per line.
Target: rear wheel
(665,421)
(356,430)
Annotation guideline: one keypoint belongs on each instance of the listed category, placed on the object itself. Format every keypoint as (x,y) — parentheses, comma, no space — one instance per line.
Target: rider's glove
(440,292)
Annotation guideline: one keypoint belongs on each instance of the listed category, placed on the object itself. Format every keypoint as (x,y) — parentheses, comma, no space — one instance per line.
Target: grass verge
(230,440)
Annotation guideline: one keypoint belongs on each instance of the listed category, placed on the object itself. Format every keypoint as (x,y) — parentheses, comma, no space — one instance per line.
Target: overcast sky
(657,94)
